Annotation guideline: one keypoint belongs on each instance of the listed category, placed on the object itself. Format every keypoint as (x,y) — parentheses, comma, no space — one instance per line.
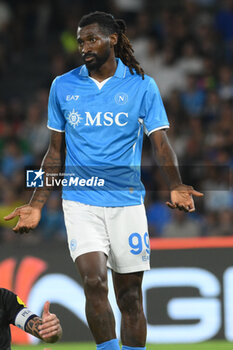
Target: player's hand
(181,198)
(29,218)
(50,330)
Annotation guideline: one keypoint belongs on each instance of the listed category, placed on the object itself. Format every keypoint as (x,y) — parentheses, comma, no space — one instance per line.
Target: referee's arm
(14,311)
(47,328)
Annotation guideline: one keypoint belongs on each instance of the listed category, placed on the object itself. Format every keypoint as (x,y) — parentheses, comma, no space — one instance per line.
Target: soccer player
(102,109)
(14,311)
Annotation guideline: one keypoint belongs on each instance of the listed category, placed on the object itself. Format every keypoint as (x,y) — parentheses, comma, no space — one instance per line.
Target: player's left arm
(47,328)
(181,195)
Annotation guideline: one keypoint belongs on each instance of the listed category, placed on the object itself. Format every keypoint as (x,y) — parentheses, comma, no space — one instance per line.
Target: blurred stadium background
(187,46)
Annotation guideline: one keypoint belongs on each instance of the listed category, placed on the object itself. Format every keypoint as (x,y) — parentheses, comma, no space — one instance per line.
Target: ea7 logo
(72,97)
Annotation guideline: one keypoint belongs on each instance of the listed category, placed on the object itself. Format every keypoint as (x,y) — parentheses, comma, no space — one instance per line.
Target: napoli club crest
(121,98)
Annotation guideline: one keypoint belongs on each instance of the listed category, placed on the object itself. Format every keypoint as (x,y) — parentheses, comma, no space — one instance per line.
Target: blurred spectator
(224,24)
(193,98)
(205,35)
(158,215)
(9,201)
(225,86)
(141,35)
(5,15)
(167,73)
(190,62)
(52,224)
(218,199)
(13,159)
(204,3)
(210,225)
(34,131)
(225,223)
(208,80)
(42,19)
(58,65)
(182,226)
(127,9)
(211,111)
(69,37)
(151,54)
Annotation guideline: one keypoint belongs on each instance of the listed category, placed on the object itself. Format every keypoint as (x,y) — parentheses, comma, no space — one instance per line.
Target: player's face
(94,46)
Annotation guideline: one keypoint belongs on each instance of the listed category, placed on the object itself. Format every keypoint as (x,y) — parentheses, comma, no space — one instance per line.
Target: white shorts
(119,232)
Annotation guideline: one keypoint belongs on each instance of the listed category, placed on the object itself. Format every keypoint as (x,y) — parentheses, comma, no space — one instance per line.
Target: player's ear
(113,39)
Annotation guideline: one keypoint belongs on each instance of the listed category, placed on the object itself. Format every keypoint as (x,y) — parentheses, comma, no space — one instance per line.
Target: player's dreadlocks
(110,25)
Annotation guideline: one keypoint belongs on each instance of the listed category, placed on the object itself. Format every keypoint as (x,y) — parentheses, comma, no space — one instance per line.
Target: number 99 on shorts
(139,243)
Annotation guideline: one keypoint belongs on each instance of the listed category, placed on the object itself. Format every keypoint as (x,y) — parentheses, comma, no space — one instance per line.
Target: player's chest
(90,108)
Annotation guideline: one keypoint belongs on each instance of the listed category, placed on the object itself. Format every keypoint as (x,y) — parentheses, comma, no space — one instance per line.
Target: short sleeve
(56,120)
(152,110)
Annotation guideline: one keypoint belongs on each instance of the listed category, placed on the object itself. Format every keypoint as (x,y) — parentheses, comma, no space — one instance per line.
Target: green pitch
(215,345)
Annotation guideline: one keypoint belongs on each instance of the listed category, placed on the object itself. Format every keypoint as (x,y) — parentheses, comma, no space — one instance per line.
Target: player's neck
(105,71)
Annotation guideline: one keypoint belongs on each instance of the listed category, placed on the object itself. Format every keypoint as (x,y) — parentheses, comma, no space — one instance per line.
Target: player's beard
(97,61)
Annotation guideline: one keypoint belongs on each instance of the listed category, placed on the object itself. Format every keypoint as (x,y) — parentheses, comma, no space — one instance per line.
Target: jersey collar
(119,73)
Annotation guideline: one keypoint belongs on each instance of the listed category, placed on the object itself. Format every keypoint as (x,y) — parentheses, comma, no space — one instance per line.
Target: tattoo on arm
(51,164)
(167,159)
(32,326)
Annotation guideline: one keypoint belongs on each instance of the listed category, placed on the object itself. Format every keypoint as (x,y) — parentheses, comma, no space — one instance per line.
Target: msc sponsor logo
(100,119)
(74,118)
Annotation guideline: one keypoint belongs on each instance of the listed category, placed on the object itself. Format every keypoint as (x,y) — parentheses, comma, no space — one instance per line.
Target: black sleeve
(11,304)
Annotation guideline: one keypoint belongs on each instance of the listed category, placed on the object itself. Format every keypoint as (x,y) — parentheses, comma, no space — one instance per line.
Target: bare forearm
(52,164)
(32,326)
(167,160)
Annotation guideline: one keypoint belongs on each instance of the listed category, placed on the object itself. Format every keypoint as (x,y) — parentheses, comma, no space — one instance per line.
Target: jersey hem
(86,251)
(129,269)
(106,204)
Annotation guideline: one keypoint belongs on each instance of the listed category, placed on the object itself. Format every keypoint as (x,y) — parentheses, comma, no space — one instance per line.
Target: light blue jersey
(104,133)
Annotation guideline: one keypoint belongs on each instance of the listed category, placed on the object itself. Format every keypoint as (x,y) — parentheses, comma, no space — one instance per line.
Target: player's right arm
(30,214)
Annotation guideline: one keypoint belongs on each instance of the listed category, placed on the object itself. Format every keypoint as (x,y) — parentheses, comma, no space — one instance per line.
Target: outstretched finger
(17,228)
(23,230)
(196,193)
(12,215)
(191,206)
(183,208)
(191,210)
(171,205)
